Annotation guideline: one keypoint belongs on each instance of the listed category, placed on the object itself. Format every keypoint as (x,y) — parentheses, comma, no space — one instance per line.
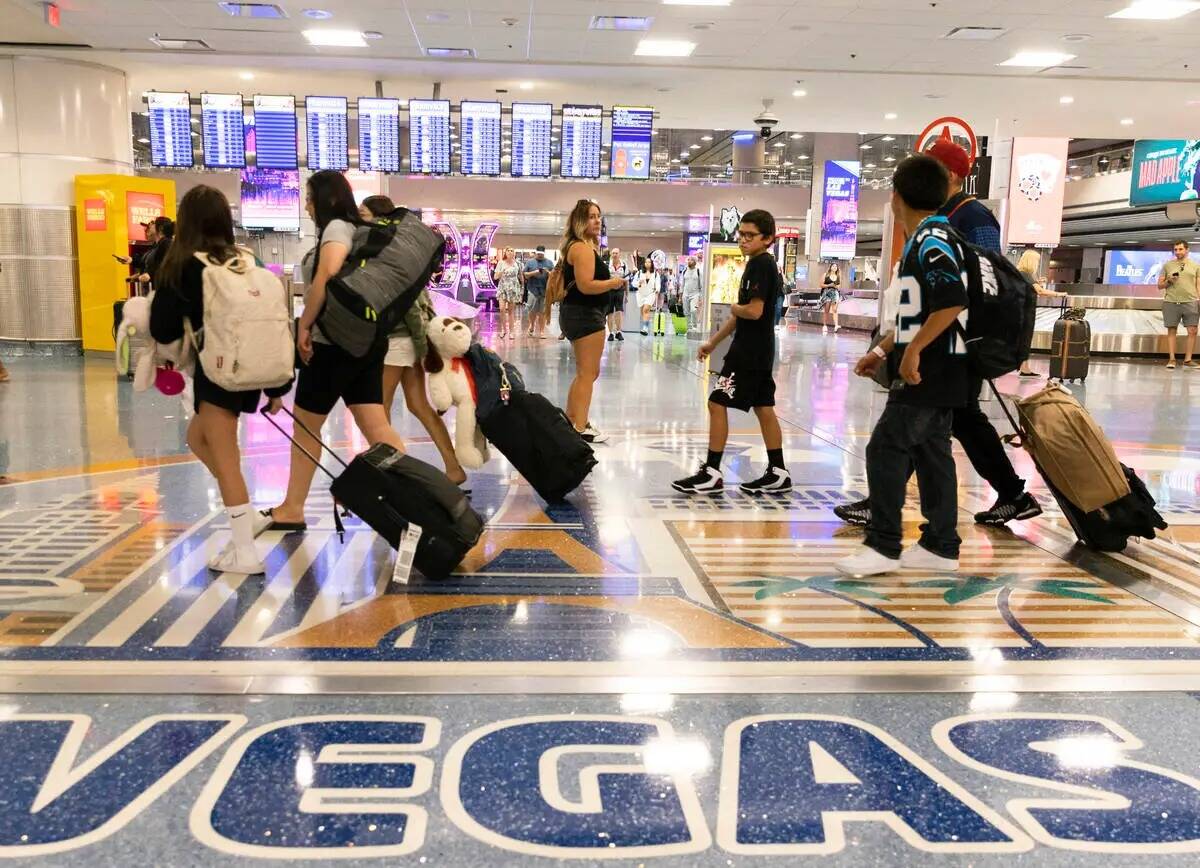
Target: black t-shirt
(753,347)
(574,296)
(931,279)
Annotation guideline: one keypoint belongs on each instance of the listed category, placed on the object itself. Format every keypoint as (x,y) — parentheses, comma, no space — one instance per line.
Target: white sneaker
(920,558)
(867,562)
(230,560)
(824,330)
(591,434)
(262,521)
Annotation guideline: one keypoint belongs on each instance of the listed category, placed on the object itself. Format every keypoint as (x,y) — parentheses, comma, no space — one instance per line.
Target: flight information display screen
(531,150)
(582,135)
(480,141)
(223,125)
(327,146)
(429,136)
(632,133)
(170,129)
(275,132)
(378,134)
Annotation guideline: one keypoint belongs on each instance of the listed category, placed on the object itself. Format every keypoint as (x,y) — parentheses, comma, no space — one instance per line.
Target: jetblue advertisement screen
(379,134)
(170,129)
(223,124)
(275,132)
(327,147)
(429,136)
(531,149)
(582,135)
(480,142)
(632,134)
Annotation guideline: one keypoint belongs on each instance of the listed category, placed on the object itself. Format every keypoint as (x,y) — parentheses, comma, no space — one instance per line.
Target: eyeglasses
(748,236)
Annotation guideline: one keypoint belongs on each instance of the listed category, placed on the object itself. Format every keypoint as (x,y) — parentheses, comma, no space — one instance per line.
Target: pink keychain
(169,381)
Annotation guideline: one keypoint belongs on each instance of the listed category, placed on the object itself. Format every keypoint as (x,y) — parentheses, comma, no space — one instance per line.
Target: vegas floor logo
(592,786)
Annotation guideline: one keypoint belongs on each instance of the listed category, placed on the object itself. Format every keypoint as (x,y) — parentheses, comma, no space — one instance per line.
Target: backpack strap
(959,205)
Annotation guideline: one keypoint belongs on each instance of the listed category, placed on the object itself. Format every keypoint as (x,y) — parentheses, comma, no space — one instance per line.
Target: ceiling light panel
(1037,59)
(323,38)
(620,22)
(1157,10)
(253,10)
(665,48)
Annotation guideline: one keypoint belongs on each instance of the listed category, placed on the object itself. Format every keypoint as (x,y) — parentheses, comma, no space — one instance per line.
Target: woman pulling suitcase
(328,373)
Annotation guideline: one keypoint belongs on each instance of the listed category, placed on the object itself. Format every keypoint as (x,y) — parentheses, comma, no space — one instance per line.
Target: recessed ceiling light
(526,85)
(890,116)
(675,161)
(706,138)
(246,75)
(317,14)
(803,157)
(252,10)
(694,147)
(450,52)
(888,139)
(665,48)
(864,147)
(795,137)
(372,34)
(799,92)
(1037,59)
(889,159)
(1157,10)
(620,22)
(779,145)
(870,166)
(1126,122)
(335,38)
(1066,100)
(144,140)
(684,154)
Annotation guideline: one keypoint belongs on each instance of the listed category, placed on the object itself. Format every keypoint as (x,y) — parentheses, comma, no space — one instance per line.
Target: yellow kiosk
(109,213)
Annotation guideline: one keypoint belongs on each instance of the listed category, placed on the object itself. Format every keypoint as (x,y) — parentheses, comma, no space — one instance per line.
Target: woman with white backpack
(202,258)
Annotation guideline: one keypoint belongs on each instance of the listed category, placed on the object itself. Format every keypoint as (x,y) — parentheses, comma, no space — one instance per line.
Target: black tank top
(574,296)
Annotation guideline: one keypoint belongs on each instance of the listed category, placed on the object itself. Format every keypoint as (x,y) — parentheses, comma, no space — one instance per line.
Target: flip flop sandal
(284,526)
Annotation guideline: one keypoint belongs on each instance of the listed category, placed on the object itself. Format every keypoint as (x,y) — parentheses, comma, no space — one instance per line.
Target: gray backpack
(390,262)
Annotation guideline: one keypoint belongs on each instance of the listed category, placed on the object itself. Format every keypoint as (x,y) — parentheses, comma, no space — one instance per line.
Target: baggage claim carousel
(1125,320)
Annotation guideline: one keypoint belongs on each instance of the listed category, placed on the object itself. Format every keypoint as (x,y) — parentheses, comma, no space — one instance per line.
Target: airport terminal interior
(588,679)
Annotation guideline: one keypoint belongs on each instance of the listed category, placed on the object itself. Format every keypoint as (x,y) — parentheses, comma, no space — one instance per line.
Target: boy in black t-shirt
(746,382)
(929,357)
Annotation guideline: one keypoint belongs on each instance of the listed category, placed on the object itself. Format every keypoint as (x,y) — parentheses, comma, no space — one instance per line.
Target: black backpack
(1002,308)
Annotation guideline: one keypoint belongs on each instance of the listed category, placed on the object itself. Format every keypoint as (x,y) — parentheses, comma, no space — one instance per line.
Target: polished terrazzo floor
(634,676)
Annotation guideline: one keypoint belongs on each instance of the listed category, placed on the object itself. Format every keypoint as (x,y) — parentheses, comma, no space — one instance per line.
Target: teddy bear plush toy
(154,358)
(452,384)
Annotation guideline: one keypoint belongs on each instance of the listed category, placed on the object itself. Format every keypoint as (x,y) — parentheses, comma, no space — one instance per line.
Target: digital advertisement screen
(429,136)
(275,132)
(531,148)
(696,242)
(839,209)
(223,126)
(632,134)
(271,199)
(1164,171)
(1037,188)
(1135,267)
(480,140)
(170,129)
(327,146)
(379,134)
(582,135)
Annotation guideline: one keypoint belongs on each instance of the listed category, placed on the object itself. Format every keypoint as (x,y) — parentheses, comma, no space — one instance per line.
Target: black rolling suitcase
(1108,529)
(391,492)
(1071,347)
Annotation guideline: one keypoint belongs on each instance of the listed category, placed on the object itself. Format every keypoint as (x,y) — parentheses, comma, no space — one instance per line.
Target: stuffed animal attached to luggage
(161,365)
(452,384)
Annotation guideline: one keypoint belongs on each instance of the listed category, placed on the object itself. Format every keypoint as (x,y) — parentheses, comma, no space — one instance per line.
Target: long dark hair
(204,225)
(332,199)
(379,206)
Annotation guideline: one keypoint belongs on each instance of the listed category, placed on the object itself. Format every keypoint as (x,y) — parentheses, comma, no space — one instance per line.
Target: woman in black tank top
(582,312)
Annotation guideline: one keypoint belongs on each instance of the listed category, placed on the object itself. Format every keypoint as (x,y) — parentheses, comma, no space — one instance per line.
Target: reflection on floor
(760,704)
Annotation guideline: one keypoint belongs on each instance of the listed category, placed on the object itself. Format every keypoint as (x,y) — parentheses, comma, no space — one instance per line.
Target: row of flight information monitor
(275,135)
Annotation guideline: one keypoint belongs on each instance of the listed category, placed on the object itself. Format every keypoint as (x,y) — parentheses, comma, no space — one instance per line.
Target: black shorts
(335,374)
(580,320)
(616,301)
(204,389)
(744,390)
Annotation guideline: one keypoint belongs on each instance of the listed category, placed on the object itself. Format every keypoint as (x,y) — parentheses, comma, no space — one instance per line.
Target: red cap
(951,155)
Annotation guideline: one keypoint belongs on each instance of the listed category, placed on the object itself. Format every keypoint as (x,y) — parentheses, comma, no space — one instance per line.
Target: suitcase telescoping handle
(313,458)
(1017,438)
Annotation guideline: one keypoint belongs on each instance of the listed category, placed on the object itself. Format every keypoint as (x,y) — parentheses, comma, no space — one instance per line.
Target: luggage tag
(406,553)
(505,386)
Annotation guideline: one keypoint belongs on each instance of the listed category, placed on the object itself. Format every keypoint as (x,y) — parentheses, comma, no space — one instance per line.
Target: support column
(58,119)
(749,159)
(826,146)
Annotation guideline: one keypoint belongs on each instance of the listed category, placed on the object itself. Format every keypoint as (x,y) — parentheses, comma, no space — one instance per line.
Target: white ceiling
(857,59)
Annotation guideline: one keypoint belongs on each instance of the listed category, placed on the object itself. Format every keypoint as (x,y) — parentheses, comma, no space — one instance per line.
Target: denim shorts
(580,320)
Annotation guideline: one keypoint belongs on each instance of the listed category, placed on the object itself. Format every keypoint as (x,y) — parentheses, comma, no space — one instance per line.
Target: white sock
(241,522)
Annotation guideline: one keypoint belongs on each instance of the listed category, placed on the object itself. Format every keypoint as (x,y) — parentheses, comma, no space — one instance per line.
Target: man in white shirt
(692,290)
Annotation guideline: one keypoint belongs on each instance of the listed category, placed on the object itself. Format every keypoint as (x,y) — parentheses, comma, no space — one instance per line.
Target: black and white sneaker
(858,514)
(706,481)
(1004,511)
(775,481)
(591,434)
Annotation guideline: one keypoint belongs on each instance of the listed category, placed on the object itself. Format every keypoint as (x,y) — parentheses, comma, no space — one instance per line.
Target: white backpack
(247,340)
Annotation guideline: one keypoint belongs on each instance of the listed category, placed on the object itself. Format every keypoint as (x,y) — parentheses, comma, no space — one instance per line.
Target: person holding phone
(1181,303)
(537,272)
